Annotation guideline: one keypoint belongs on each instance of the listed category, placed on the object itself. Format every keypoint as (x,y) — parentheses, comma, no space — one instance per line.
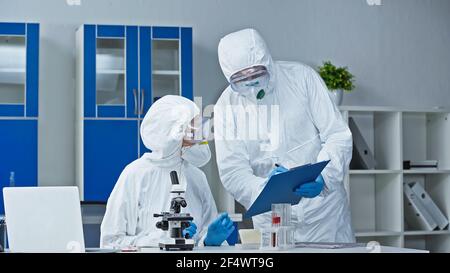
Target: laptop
(43,219)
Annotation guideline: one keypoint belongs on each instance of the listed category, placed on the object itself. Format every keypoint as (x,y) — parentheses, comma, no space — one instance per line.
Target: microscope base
(177,244)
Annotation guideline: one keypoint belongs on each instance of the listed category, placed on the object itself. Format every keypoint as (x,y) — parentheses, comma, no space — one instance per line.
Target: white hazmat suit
(144,186)
(309,129)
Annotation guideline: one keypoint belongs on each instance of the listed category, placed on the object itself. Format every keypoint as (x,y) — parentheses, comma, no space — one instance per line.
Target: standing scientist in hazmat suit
(143,188)
(305,127)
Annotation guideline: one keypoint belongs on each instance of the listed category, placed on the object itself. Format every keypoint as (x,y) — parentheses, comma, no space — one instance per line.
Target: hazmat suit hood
(163,129)
(243,49)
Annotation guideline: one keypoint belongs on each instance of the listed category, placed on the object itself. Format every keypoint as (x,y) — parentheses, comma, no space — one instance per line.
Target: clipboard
(280,188)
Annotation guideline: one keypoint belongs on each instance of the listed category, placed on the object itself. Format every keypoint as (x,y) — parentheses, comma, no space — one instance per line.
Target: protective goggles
(251,79)
(198,130)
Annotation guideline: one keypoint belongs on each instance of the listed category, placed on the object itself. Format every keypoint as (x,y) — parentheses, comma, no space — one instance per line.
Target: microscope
(175,221)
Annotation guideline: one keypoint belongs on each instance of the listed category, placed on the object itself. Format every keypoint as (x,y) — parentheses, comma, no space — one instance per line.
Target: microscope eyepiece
(174,178)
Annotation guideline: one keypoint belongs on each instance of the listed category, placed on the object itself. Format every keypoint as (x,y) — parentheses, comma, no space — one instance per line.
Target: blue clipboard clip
(280,188)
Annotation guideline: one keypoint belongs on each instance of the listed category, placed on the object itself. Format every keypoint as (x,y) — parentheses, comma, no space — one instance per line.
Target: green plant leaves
(336,77)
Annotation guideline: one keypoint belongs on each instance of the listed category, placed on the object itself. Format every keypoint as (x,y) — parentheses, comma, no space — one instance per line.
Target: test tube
(234,236)
(284,211)
(275,224)
(285,230)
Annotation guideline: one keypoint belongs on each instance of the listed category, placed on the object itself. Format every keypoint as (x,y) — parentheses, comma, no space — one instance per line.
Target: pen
(279,165)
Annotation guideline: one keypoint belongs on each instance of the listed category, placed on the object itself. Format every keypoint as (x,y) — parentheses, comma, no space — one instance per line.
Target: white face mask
(198,154)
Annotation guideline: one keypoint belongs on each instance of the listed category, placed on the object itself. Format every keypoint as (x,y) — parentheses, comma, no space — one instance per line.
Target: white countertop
(357,108)
(232,249)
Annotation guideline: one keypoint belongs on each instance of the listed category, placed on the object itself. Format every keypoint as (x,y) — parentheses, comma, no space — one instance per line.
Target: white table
(232,249)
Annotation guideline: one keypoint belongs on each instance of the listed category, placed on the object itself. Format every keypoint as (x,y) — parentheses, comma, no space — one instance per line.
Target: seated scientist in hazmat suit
(144,186)
(305,127)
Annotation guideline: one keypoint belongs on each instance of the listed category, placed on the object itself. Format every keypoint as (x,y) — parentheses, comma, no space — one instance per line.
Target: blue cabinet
(108,147)
(121,71)
(18,146)
(110,72)
(165,63)
(19,76)
(19,65)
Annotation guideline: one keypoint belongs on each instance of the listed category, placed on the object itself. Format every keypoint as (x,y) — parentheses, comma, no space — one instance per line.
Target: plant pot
(337,96)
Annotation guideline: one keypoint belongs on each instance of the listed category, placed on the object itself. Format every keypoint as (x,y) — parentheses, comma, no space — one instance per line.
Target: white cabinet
(376,196)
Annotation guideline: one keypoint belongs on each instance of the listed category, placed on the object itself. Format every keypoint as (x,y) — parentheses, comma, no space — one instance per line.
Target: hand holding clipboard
(280,188)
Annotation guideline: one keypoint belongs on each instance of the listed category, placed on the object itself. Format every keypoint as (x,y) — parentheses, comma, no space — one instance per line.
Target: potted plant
(337,79)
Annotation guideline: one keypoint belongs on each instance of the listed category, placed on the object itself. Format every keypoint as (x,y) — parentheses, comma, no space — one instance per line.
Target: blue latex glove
(277,170)
(191,230)
(311,189)
(219,230)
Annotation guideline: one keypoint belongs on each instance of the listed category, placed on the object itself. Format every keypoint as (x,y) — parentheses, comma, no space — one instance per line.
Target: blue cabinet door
(147,82)
(132,75)
(89,71)
(18,146)
(109,145)
(20,86)
(145,61)
(187,89)
(110,71)
(32,70)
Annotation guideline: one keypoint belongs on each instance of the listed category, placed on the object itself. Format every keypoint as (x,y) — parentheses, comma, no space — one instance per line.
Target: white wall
(399,51)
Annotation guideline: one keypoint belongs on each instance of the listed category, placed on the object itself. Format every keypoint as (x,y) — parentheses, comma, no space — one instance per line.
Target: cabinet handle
(135,102)
(141,111)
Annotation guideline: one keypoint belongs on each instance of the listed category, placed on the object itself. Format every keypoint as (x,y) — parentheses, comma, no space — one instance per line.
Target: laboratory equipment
(234,237)
(277,238)
(285,236)
(175,221)
(12,179)
(250,237)
(283,211)
(281,234)
(275,224)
